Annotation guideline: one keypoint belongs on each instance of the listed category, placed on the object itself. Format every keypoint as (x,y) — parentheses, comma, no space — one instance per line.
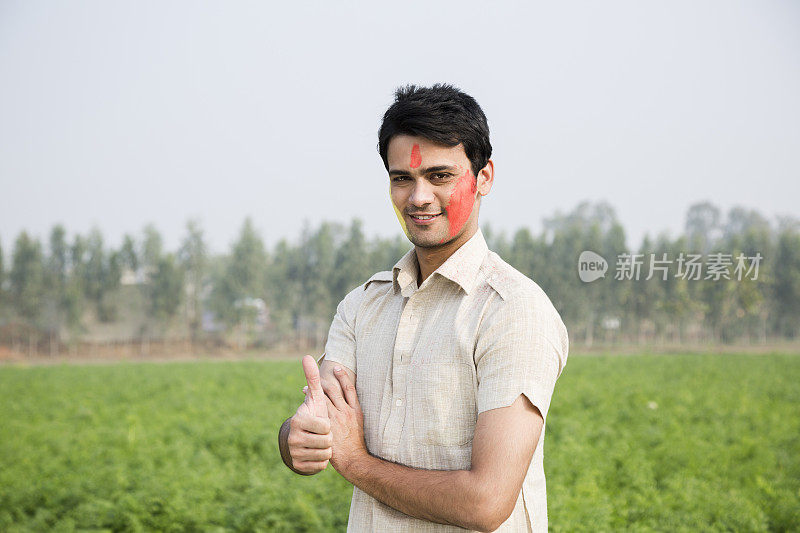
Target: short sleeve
(341,344)
(522,348)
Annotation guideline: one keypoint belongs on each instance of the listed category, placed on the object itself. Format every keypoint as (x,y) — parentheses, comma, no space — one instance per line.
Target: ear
(486,178)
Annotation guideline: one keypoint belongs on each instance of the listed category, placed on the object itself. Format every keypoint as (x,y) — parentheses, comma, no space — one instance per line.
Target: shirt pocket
(444,403)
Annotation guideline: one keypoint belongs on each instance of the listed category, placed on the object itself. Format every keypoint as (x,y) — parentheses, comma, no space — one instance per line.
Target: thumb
(315,392)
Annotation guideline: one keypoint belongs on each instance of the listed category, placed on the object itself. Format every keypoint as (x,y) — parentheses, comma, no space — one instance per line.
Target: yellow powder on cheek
(399,217)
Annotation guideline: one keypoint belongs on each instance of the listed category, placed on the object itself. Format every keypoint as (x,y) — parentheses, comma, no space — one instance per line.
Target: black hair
(441,113)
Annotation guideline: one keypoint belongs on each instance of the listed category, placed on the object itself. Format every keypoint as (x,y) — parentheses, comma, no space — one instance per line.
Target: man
(437,376)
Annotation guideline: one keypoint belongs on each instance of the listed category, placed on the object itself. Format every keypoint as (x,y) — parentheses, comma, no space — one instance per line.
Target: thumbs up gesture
(310,440)
(315,396)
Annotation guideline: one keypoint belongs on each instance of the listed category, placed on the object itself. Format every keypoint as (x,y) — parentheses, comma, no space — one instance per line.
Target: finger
(313,440)
(334,392)
(312,454)
(348,388)
(332,410)
(310,466)
(314,424)
(311,371)
(300,440)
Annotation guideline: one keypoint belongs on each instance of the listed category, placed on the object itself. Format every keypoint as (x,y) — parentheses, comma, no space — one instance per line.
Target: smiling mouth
(423,218)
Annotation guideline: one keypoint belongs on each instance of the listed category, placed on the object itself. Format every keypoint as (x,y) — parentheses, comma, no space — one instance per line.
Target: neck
(429,259)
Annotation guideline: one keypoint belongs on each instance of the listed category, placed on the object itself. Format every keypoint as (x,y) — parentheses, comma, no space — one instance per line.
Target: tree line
(73,290)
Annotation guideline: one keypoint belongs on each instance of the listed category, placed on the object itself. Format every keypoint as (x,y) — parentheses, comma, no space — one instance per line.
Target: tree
(587,227)
(193,259)
(59,256)
(653,291)
(787,282)
(152,250)
(384,253)
(127,255)
(27,283)
(27,277)
(351,265)
(742,221)
(166,290)
(248,259)
(610,294)
(702,226)
(522,252)
(496,241)
(749,234)
(94,272)
(2,283)
(111,283)
(163,293)
(77,257)
(282,287)
(74,293)
(56,286)
(679,308)
(242,280)
(102,273)
(318,252)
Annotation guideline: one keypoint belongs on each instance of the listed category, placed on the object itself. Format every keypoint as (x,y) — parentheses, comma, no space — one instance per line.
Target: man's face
(433,190)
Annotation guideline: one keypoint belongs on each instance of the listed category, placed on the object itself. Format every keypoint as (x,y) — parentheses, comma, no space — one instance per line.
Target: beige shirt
(474,336)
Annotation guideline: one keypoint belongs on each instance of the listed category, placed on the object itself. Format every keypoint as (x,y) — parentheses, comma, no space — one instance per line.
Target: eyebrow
(426,170)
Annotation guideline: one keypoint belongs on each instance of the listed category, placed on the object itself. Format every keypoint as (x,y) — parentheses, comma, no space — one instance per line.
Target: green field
(637,443)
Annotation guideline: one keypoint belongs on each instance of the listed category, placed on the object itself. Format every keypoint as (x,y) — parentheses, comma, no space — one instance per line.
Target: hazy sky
(116,114)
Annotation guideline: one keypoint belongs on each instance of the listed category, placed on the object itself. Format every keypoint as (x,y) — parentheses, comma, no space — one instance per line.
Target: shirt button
(398,402)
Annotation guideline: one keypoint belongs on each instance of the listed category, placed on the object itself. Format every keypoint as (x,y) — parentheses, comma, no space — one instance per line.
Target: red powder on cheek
(459,208)
(416,157)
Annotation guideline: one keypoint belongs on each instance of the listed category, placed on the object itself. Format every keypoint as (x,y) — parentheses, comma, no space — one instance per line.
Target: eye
(440,176)
(396,179)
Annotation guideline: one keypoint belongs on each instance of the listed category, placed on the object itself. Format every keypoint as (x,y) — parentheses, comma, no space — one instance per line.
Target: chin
(430,241)
(425,244)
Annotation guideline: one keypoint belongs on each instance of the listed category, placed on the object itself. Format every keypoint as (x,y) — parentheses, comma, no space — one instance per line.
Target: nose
(422,193)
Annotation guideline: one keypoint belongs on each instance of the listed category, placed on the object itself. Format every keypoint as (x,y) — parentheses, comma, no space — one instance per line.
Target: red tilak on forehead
(461,201)
(416,157)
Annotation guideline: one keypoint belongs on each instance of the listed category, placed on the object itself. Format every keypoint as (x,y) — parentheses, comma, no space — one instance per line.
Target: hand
(310,440)
(347,423)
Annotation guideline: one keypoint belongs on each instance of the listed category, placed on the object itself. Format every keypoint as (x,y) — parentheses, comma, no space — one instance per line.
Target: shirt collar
(461,267)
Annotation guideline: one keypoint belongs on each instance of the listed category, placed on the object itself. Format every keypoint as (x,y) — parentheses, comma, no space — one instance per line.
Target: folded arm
(480,498)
